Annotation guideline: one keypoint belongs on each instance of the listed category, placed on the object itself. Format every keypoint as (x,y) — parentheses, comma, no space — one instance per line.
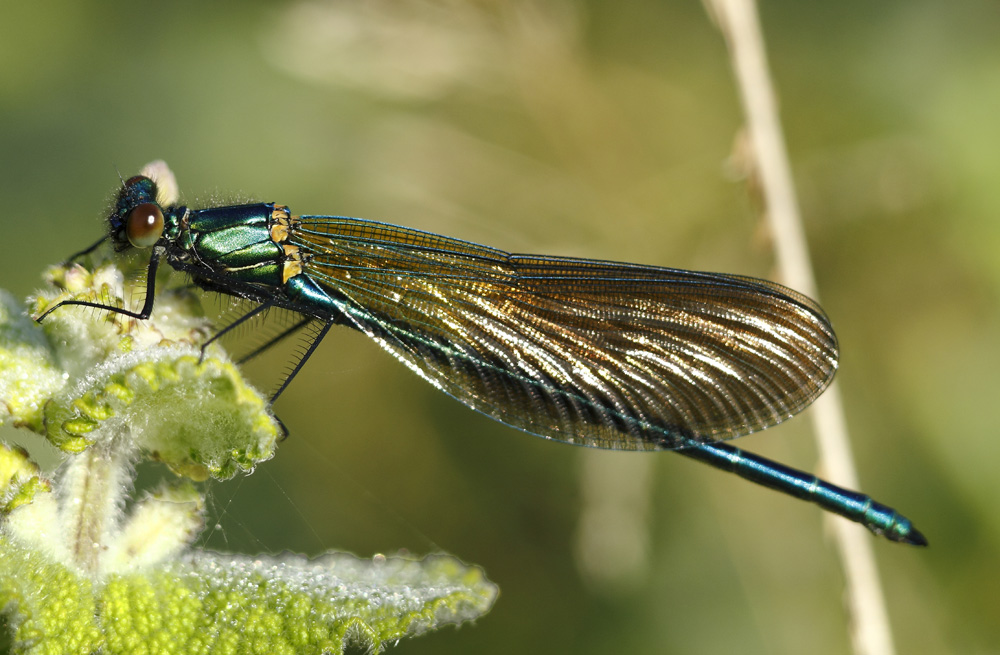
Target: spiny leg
(242,319)
(147,307)
(271,342)
(305,357)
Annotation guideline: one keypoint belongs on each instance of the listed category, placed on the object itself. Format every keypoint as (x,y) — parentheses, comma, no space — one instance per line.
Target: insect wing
(595,353)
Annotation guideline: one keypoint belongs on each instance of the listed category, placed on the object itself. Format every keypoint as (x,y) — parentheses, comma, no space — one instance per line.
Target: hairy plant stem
(94,488)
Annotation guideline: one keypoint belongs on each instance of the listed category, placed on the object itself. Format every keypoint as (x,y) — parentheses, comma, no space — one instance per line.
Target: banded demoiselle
(595,353)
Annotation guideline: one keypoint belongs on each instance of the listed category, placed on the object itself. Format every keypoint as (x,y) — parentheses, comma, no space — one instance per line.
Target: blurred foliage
(591,128)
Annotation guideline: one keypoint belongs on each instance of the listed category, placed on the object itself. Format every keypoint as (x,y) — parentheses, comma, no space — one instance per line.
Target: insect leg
(242,319)
(147,307)
(302,361)
(87,250)
(284,334)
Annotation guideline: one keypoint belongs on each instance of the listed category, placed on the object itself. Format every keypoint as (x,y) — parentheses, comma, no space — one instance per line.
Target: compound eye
(144,225)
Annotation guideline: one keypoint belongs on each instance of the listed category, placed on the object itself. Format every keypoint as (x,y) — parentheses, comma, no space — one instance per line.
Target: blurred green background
(599,129)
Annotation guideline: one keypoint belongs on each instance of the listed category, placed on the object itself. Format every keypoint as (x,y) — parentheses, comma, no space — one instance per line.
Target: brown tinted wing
(588,352)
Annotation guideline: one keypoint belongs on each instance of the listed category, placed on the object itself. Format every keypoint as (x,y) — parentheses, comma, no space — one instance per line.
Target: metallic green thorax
(235,241)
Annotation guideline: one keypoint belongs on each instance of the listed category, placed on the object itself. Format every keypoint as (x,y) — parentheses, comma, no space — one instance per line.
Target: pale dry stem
(739,23)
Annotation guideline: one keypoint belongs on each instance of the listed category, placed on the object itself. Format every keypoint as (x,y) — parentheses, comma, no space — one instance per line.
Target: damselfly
(595,353)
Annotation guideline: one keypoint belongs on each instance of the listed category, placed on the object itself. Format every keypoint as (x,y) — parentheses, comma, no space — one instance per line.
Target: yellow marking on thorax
(293,262)
(281,223)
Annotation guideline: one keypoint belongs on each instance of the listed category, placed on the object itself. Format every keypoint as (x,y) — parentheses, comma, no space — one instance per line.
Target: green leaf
(19,479)
(200,418)
(214,603)
(29,375)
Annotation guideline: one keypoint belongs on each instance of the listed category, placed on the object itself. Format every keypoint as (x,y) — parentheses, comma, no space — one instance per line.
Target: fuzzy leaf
(86,375)
(200,419)
(29,375)
(212,603)
(19,479)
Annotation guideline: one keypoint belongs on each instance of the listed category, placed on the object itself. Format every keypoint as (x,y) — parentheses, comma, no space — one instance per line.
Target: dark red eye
(144,225)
